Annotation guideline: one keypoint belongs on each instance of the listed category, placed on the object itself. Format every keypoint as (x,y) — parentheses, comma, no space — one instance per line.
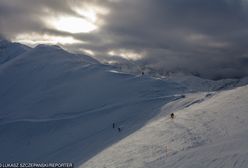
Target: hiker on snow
(113,125)
(172,115)
(119,129)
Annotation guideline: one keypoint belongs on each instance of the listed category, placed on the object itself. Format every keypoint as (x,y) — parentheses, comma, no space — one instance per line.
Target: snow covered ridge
(57,106)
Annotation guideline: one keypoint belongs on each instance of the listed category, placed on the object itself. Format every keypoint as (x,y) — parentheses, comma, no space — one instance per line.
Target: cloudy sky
(208,38)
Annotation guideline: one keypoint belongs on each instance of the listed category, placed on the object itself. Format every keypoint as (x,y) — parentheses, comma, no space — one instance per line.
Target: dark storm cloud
(208,38)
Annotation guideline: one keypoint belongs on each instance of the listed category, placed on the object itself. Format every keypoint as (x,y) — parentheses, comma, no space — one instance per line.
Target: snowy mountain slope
(9,50)
(57,106)
(209,130)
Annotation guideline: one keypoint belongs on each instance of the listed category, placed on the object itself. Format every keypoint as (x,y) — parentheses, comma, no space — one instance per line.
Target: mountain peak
(10,50)
(48,46)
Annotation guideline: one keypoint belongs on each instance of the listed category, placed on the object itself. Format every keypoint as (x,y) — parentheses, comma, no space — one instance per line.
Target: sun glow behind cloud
(86,20)
(72,24)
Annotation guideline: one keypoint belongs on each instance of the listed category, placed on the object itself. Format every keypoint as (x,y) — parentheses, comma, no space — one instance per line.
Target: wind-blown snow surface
(59,107)
(56,106)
